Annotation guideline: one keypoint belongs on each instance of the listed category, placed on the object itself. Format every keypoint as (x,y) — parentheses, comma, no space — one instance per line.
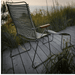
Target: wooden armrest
(44,26)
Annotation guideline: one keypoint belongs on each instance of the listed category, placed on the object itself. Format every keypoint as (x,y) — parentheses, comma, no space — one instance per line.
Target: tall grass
(62,63)
(59,17)
(8,35)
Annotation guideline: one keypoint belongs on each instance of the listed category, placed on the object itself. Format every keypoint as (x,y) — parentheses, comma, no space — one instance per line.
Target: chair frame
(46,30)
(43,26)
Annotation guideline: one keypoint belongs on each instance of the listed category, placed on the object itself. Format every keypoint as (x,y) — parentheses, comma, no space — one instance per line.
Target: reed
(59,17)
(62,63)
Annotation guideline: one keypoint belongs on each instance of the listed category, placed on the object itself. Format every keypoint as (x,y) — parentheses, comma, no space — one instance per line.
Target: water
(33,8)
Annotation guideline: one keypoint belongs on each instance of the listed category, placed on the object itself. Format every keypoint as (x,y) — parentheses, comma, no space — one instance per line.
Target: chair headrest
(16,3)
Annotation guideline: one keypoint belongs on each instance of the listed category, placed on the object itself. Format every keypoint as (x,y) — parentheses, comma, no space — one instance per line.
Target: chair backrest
(21,17)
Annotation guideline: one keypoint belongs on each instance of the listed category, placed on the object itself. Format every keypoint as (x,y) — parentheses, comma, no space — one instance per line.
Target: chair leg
(28,49)
(43,40)
(50,40)
(49,45)
(20,52)
(34,55)
(62,41)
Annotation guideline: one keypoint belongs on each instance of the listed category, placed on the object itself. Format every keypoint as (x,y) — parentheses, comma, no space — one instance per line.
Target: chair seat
(39,35)
(52,32)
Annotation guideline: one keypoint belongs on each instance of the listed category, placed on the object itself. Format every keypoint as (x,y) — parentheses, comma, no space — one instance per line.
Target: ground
(22,62)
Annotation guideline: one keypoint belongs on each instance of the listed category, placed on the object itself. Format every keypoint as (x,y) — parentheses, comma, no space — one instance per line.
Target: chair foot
(19,53)
(40,63)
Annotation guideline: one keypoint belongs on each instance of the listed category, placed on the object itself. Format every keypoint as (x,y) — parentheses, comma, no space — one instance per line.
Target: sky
(43,2)
(38,4)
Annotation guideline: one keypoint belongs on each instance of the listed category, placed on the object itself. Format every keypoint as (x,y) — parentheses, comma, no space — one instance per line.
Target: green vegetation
(62,63)
(59,19)
(8,36)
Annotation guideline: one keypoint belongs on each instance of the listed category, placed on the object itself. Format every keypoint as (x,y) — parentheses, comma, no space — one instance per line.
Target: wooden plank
(28,64)
(27,46)
(24,47)
(53,49)
(31,54)
(15,51)
(39,52)
(54,45)
(71,31)
(72,40)
(36,62)
(18,66)
(56,40)
(58,37)
(72,28)
(43,67)
(27,58)
(45,49)
(7,63)
(40,69)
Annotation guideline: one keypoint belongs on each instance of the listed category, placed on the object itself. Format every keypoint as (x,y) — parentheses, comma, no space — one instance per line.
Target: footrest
(64,34)
(19,53)
(52,32)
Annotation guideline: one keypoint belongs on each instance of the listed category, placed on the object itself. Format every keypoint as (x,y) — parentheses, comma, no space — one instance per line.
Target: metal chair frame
(37,40)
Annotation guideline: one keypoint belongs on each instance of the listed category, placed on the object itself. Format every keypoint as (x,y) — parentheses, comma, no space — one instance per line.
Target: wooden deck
(22,63)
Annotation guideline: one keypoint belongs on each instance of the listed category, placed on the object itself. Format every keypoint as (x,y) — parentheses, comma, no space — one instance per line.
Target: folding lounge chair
(20,14)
